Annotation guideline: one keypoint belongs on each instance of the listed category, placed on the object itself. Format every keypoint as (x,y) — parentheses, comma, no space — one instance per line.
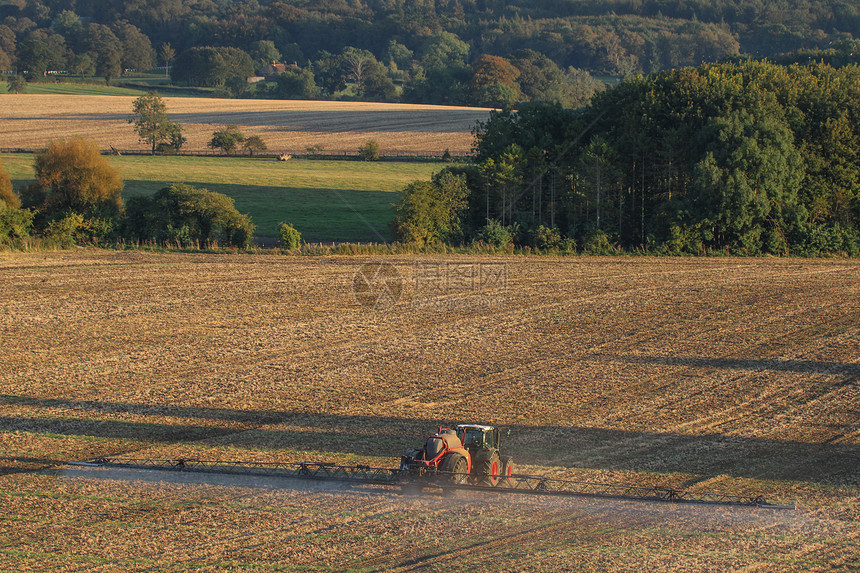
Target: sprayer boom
(437,479)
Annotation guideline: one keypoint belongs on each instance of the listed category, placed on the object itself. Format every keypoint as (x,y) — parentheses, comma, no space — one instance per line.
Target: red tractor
(469,452)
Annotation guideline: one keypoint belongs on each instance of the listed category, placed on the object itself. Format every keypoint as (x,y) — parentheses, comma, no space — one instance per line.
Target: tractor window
(433,448)
(474,438)
(491,439)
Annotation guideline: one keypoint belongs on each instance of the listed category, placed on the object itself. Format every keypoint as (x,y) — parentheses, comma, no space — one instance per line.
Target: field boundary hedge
(330,154)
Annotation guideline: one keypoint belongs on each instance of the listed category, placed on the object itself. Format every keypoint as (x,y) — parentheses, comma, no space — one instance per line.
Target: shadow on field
(579,447)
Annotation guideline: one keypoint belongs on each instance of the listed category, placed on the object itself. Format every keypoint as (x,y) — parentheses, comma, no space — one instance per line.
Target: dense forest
(484,52)
(743,157)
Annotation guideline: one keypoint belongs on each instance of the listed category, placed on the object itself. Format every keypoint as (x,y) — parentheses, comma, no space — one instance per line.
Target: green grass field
(132,85)
(325,200)
(65,88)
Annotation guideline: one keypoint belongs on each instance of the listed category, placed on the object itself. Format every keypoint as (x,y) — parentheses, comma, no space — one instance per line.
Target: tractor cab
(476,437)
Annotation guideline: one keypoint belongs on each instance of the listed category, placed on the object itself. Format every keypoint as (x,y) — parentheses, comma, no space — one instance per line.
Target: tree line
(484,52)
(747,157)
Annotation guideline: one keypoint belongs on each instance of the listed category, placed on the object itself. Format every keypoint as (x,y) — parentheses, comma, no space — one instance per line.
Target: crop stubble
(713,374)
(31,121)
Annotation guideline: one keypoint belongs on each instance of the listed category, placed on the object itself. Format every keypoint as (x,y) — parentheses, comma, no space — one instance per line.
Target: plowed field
(31,121)
(720,374)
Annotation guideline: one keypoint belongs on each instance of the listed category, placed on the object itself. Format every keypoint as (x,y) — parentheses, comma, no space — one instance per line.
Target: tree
(200,66)
(447,86)
(167,54)
(106,48)
(227,139)
(83,65)
(72,176)
(137,52)
(152,124)
(36,56)
(354,65)
(745,188)
(5,61)
(296,83)
(254,143)
(430,211)
(377,85)
(264,53)
(399,55)
(328,74)
(67,23)
(17,83)
(7,46)
(290,237)
(7,194)
(211,67)
(236,87)
(444,50)
(494,82)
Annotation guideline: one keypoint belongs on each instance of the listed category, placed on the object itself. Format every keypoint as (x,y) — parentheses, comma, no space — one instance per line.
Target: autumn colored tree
(494,82)
(72,176)
(7,194)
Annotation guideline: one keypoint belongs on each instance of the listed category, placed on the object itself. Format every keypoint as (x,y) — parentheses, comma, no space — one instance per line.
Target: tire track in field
(401,561)
(584,529)
(763,398)
(832,553)
(221,554)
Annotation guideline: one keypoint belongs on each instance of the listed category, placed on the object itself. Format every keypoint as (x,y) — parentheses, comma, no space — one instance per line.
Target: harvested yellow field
(32,120)
(719,374)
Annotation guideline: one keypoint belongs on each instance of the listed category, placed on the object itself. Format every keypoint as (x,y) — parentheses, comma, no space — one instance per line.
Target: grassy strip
(64,88)
(328,201)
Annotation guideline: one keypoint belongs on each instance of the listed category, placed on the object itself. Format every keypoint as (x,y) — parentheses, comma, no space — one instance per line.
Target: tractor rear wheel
(489,469)
(507,470)
(457,468)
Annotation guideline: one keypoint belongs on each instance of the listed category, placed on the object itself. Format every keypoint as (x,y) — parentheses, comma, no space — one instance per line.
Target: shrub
(567,245)
(290,238)
(183,214)
(7,194)
(498,235)
(598,243)
(15,224)
(76,229)
(545,237)
(369,151)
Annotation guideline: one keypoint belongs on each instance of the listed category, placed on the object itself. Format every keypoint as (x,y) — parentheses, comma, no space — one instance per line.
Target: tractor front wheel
(489,469)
